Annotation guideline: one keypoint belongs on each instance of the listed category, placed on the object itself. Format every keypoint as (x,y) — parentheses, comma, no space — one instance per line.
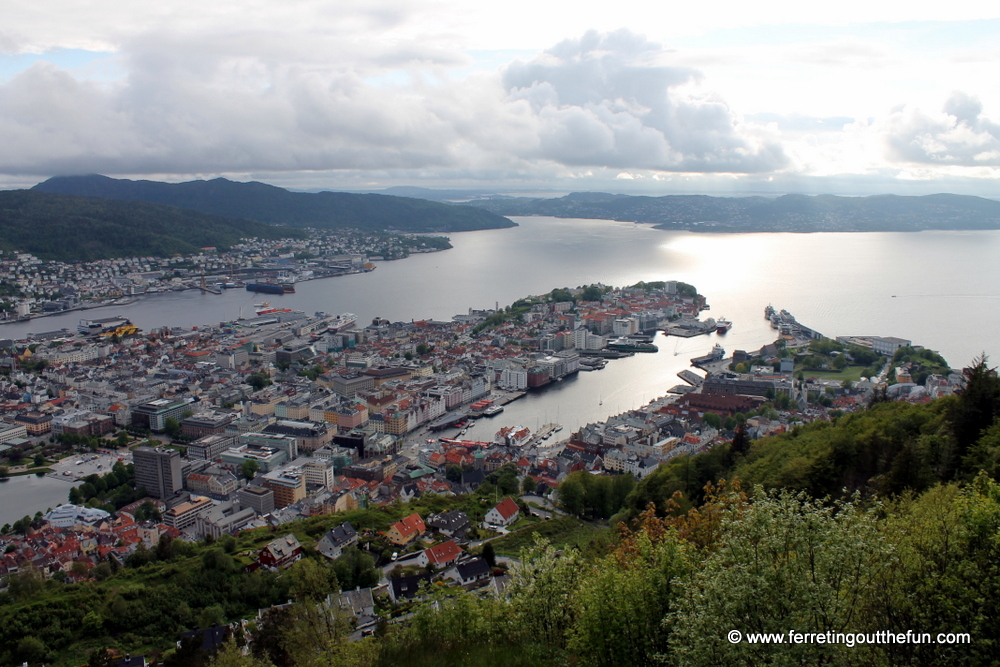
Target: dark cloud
(961,135)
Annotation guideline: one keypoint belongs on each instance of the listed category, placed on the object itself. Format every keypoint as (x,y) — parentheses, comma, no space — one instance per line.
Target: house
(440,555)
(407,588)
(333,543)
(470,573)
(452,524)
(280,553)
(504,514)
(406,530)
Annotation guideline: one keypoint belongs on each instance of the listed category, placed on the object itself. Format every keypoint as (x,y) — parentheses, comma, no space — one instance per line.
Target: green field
(562,532)
(852,373)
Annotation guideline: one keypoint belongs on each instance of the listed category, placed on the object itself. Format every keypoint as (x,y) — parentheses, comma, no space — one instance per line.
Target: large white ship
(342,321)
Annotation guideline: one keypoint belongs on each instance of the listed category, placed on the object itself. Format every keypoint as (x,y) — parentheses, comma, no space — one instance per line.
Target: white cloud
(960,135)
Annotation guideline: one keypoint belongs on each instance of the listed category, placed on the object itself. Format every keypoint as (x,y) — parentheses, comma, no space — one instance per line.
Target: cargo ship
(723,325)
(269,288)
(266,309)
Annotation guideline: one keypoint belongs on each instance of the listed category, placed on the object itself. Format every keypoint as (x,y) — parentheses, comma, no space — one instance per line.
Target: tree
(712,419)
(102,657)
(249,468)
(172,427)
(453,472)
(489,555)
(39,460)
(528,485)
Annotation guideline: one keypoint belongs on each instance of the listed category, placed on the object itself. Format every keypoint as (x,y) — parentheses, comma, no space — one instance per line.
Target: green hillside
(267,203)
(73,228)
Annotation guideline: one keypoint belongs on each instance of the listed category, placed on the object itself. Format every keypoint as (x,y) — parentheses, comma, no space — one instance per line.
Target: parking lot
(77,466)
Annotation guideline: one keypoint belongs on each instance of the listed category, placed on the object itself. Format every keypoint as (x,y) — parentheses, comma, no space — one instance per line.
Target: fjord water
(938,289)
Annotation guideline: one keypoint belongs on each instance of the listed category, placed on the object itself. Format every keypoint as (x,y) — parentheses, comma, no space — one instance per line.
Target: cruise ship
(341,322)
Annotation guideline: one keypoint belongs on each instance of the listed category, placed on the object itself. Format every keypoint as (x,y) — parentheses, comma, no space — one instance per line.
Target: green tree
(712,419)
(528,485)
(39,460)
(211,617)
(172,427)
(249,468)
(783,561)
(453,472)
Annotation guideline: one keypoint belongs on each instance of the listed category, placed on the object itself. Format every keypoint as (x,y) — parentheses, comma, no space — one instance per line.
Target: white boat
(342,321)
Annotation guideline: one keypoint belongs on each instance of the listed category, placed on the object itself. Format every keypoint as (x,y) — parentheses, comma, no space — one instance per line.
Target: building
(258,498)
(10,432)
(289,486)
(406,530)
(280,553)
(153,415)
(158,470)
(308,435)
(35,423)
(440,555)
(333,543)
(185,515)
(210,447)
(504,514)
(205,423)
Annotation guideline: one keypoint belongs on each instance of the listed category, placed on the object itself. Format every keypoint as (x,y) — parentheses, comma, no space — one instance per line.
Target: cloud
(248,101)
(606,100)
(960,135)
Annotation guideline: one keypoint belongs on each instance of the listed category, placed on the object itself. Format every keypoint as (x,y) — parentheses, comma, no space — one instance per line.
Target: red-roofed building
(440,555)
(406,530)
(504,514)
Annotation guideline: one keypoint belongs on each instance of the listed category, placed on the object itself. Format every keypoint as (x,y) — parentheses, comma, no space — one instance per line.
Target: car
(395,555)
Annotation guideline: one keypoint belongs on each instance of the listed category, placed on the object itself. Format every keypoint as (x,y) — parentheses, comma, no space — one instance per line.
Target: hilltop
(74,228)
(271,204)
(790,213)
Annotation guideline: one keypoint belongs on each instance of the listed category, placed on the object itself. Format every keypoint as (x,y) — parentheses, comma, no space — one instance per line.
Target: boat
(626,345)
(341,322)
(718,351)
(723,325)
(493,410)
(266,309)
(267,288)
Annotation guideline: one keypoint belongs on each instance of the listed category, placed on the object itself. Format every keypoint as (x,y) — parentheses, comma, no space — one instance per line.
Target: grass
(852,373)
(562,532)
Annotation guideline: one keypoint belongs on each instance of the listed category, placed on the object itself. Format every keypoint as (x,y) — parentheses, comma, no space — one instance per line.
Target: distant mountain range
(71,228)
(267,203)
(790,213)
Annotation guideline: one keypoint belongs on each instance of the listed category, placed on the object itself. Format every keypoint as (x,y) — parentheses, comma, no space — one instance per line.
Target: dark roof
(453,520)
(211,638)
(408,587)
(342,534)
(473,569)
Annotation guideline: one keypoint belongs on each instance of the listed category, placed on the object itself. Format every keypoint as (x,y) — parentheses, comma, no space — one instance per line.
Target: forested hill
(71,228)
(267,203)
(790,213)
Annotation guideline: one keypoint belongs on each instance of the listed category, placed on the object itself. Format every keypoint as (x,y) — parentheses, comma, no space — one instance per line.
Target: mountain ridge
(271,204)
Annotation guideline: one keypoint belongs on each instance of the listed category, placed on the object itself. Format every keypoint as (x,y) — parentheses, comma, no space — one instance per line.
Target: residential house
(406,530)
(333,543)
(504,514)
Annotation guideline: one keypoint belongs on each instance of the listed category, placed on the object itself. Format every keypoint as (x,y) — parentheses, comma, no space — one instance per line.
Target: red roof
(507,508)
(441,554)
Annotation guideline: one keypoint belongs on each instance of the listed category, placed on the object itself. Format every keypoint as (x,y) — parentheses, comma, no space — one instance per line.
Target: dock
(691,377)
(544,432)
(210,290)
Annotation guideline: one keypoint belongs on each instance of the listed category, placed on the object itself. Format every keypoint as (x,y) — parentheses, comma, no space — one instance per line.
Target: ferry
(723,325)
(493,410)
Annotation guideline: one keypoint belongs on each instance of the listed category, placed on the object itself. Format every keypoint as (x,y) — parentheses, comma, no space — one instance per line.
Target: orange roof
(445,552)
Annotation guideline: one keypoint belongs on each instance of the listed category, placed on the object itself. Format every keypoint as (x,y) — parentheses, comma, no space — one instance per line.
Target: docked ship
(627,345)
(266,309)
(269,288)
(341,322)
(493,410)
(723,325)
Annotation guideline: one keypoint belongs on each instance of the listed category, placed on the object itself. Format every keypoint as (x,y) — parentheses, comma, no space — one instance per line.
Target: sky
(721,98)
